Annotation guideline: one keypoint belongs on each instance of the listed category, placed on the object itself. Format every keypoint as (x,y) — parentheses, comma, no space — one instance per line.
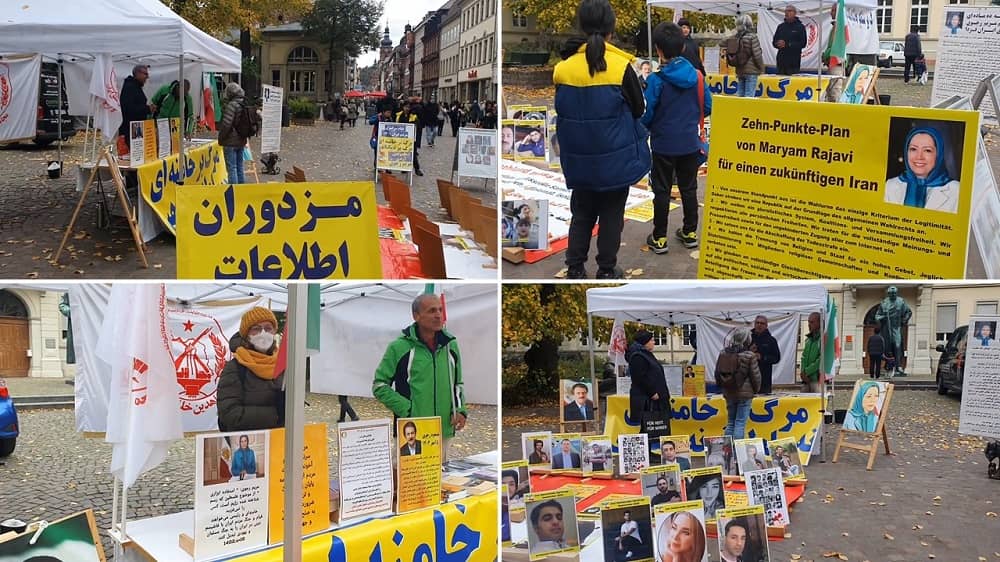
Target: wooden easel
(880,433)
(119,181)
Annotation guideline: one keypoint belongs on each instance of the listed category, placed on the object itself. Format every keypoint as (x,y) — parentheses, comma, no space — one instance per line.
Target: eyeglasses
(258,329)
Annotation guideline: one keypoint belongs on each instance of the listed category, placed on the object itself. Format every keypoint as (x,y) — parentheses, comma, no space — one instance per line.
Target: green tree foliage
(347,27)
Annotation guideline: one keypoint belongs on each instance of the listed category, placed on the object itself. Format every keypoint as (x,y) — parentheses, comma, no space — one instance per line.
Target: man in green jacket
(420,374)
(168,102)
(812,379)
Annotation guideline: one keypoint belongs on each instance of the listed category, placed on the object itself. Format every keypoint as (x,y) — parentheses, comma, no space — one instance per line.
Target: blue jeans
(746,87)
(739,412)
(430,131)
(234,164)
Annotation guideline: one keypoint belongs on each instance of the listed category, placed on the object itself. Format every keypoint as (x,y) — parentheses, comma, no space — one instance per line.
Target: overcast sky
(398,13)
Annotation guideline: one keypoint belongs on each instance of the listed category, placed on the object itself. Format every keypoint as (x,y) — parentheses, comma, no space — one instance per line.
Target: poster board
(598,455)
(365,470)
(545,537)
(966,53)
(633,453)
(395,146)
(536,448)
(981,379)
(869,404)
(705,485)
(785,457)
(149,148)
(231,493)
(163,144)
(662,484)
(627,530)
(175,136)
(826,196)
(576,401)
(712,58)
(418,471)
(860,85)
(750,455)
(742,532)
(315,483)
(686,518)
(278,231)
(136,143)
(676,449)
(507,139)
(766,488)
(272,98)
(694,380)
(567,451)
(477,153)
(525,224)
(74,537)
(719,452)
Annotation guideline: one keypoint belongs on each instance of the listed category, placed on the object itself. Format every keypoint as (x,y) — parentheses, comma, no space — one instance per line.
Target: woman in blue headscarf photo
(925,182)
(863,415)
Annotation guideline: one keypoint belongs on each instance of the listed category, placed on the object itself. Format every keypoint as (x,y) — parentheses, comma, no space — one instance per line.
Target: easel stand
(872,446)
(119,181)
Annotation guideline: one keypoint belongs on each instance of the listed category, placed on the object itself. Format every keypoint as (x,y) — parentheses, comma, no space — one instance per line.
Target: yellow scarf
(261,364)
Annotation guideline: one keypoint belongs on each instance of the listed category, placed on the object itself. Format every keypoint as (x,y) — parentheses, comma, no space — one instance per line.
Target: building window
(947,315)
(276,78)
(689,334)
(302,81)
(883,16)
(521,20)
(919,10)
(303,55)
(986,308)
(661,337)
(11,305)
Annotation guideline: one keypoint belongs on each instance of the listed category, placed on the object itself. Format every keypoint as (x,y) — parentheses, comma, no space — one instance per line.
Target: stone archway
(869,329)
(15,336)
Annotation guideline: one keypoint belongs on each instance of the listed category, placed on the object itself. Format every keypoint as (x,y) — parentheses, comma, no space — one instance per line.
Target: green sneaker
(690,239)
(657,245)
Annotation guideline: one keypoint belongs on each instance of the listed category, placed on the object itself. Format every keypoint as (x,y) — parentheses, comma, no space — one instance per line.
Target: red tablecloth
(400,259)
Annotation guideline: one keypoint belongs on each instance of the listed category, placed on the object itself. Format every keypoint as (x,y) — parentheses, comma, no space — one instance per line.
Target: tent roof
(734,8)
(664,304)
(143,29)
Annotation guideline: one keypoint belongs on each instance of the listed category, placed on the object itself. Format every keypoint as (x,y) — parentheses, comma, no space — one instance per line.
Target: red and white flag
(106,102)
(143,407)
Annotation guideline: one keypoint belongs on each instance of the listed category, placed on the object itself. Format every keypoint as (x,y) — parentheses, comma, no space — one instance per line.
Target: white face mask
(262,341)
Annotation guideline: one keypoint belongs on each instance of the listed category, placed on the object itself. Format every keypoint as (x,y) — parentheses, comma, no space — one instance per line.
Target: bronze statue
(893,313)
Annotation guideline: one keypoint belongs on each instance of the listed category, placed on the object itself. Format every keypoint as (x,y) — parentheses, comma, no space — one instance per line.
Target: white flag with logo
(105,98)
(19,83)
(143,413)
(618,343)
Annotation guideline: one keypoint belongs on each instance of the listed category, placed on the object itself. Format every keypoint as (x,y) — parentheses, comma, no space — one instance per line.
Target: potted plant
(303,111)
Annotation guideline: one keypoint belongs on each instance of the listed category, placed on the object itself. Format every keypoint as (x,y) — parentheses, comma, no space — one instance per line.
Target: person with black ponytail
(598,103)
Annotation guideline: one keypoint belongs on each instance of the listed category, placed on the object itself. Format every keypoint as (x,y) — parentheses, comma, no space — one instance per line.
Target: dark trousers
(875,365)
(589,208)
(416,161)
(665,168)
(907,65)
(346,411)
(766,378)
(440,127)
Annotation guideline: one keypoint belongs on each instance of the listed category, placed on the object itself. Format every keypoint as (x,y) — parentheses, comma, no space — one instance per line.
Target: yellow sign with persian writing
(464,531)
(837,191)
(770,86)
(419,466)
(158,179)
(771,417)
(395,146)
(278,231)
(315,483)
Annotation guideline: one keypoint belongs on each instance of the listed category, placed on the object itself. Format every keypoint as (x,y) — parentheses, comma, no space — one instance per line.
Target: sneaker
(576,272)
(615,273)
(690,239)
(657,245)
(418,172)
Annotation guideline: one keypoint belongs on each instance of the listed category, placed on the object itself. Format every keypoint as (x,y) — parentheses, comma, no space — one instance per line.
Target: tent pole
(183,96)
(649,31)
(819,64)
(593,374)
(59,114)
(295,391)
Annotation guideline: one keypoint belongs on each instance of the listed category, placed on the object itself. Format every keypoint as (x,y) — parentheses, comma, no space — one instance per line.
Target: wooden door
(14,360)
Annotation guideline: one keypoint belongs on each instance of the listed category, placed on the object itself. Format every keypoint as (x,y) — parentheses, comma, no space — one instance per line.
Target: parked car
(890,53)
(8,421)
(951,364)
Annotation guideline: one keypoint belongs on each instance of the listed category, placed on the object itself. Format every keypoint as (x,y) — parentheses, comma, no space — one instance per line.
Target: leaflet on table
(418,472)
(365,468)
(278,231)
(315,483)
(231,493)
(162,138)
(835,192)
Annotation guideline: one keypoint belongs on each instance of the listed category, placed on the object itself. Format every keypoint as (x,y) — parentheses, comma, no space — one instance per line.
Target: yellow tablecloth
(771,417)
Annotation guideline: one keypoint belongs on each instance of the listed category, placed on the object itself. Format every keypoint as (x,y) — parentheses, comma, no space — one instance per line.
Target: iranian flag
(313,305)
(831,345)
(836,51)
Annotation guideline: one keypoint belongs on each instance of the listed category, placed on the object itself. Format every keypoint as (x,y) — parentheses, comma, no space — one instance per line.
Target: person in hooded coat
(649,390)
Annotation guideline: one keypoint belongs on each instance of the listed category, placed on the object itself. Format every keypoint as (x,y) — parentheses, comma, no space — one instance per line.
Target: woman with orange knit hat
(250,395)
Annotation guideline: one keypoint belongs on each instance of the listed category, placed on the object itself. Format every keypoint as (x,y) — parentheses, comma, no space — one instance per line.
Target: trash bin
(286,115)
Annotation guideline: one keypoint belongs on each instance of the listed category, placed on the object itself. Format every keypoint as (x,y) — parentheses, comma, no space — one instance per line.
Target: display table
(771,417)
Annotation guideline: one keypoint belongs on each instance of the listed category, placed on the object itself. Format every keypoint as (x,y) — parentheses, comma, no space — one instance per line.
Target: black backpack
(246,122)
(736,55)
(727,371)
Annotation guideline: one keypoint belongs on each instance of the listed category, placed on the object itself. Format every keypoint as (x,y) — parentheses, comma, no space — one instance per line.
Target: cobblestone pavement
(35,210)
(682,263)
(55,471)
(930,500)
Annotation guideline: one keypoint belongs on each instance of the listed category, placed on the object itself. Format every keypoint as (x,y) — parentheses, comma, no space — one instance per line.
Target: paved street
(55,471)
(932,500)
(680,262)
(35,210)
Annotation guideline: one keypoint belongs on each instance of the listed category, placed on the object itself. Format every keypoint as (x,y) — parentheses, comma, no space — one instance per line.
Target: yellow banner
(837,191)
(770,418)
(466,530)
(158,179)
(419,467)
(315,483)
(794,88)
(395,146)
(278,231)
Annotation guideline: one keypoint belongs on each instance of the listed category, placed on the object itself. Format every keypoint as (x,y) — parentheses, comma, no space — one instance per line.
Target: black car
(47,124)
(951,364)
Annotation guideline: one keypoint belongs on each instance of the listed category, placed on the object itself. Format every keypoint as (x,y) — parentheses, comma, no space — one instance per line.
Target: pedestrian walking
(430,120)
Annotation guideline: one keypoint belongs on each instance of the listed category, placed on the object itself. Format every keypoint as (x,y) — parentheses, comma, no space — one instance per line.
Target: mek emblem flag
(6,91)
(200,350)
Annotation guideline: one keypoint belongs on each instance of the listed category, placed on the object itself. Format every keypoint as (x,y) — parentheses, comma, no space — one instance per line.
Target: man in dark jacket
(911,50)
(691,51)
(649,390)
(876,351)
(428,116)
(790,39)
(765,347)
(134,105)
